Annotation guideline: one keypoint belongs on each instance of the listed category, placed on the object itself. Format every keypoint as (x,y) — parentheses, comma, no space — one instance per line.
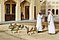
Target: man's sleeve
(49,18)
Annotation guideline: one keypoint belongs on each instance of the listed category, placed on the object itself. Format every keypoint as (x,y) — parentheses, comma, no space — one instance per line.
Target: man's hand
(49,23)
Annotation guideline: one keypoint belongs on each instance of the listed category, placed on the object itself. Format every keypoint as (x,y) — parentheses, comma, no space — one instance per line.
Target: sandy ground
(6,34)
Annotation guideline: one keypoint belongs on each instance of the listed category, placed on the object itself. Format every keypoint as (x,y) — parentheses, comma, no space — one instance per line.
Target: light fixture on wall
(41,0)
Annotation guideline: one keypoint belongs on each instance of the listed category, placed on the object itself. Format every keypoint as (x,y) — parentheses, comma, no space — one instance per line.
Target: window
(53,11)
(56,11)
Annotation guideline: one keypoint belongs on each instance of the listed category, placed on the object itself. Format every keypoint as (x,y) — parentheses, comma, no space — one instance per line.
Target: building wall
(53,5)
(18,10)
(40,5)
(23,7)
(2,10)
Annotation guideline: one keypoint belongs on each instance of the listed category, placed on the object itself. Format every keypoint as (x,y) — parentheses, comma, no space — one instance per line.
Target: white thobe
(42,18)
(39,23)
(51,26)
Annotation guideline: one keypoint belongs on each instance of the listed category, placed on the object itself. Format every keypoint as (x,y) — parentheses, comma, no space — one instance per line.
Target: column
(58,11)
(46,8)
(31,14)
(0,13)
(18,11)
(55,11)
(38,7)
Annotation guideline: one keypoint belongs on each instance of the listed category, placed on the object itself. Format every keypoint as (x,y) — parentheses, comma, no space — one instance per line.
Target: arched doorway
(10,10)
(25,10)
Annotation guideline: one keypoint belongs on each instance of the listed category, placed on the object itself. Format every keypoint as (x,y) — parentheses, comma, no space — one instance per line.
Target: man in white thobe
(51,26)
(39,23)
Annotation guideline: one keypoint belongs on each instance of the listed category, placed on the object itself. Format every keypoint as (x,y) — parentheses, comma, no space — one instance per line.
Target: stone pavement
(6,34)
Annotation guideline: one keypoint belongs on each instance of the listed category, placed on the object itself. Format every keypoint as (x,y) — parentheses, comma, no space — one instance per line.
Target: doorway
(26,12)
(10,10)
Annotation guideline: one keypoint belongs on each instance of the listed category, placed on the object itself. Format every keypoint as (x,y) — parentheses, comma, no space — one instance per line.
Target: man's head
(40,13)
(49,12)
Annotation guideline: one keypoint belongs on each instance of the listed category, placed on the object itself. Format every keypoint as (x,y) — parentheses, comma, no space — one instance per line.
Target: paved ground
(5,34)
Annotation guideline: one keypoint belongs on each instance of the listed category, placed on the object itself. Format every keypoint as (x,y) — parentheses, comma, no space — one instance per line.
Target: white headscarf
(50,12)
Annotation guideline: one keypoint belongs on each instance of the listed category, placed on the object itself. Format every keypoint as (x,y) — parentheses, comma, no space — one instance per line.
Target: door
(8,16)
(35,12)
(26,12)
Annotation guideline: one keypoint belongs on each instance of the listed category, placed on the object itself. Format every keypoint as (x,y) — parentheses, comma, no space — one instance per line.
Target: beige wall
(38,5)
(2,17)
(32,3)
(23,7)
